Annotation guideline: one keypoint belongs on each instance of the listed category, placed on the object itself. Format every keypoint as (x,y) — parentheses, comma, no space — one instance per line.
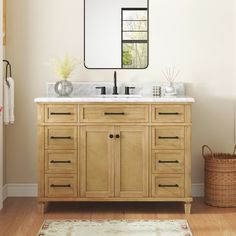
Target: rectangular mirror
(116,34)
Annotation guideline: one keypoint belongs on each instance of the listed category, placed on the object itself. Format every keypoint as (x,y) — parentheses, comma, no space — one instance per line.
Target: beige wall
(196,35)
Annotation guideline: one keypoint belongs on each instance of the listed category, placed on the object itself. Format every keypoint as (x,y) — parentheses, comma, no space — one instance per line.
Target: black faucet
(115,85)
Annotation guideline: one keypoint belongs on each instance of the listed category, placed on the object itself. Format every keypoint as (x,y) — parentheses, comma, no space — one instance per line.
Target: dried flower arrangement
(65,66)
(170,73)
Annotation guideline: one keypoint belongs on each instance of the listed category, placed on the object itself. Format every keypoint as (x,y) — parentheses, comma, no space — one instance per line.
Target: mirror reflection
(116,34)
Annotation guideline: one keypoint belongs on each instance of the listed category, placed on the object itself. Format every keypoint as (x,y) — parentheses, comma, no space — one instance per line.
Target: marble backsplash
(88,89)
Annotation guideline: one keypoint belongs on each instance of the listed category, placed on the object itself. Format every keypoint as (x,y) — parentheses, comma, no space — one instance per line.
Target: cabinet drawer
(168,185)
(61,113)
(168,137)
(60,186)
(114,113)
(167,161)
(60,161)
(168,113)
(61,137)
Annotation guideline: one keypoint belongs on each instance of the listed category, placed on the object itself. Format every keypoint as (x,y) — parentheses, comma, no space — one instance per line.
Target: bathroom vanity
(114,149)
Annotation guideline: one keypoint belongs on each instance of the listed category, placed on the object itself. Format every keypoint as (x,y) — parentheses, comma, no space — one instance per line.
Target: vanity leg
(187,207)
(42,207)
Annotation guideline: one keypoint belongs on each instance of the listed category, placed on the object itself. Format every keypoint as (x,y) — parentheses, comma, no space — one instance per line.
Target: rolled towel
(11,100)
(6,114)
(8,101)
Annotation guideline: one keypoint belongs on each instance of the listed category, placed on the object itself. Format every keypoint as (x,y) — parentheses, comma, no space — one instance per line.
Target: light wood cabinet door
(97,161)
(131,161)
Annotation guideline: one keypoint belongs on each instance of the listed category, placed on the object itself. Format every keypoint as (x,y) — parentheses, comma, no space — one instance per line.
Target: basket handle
(206,146)
(234,150)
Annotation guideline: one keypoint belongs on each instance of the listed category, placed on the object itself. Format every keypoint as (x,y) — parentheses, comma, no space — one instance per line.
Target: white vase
(170,89)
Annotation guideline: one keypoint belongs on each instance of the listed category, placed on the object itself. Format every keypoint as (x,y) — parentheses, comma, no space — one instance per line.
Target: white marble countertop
(182,99)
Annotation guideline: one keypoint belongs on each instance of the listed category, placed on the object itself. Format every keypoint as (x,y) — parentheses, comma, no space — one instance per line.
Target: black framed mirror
(116,34)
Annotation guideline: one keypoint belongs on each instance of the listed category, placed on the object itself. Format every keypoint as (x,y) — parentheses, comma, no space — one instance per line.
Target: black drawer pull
(60,113)
(175,137)
(54,162)
(168,185)
(68,137)
(160,161)
(111,136)
(114,113)
(168,113)
(60,185)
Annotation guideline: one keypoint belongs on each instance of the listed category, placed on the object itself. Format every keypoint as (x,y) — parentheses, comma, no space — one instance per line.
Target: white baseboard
(4,192)
(3,195)
(22,190)
(30,190)
(1,198)
(198,190)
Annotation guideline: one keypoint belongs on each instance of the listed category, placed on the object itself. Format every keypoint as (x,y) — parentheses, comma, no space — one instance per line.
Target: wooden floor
(20,217)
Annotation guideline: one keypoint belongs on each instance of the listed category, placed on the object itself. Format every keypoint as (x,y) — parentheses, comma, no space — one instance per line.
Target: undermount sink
(121,96)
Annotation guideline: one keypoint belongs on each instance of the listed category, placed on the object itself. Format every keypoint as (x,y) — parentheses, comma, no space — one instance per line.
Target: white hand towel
(6,103)
(11,100)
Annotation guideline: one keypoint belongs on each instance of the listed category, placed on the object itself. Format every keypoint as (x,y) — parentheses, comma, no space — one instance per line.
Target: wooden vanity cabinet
(114,152)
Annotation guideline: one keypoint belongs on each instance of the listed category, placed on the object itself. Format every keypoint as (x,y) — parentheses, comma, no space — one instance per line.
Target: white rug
(115,228)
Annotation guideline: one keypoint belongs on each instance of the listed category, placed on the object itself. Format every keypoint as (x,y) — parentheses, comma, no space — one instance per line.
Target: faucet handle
(103,90)
(127,89)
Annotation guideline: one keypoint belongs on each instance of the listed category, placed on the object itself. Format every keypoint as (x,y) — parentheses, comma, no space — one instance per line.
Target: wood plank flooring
(21,218)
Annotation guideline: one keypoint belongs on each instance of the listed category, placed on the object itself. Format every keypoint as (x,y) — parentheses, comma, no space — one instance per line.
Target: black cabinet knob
(117,136)
(111,136)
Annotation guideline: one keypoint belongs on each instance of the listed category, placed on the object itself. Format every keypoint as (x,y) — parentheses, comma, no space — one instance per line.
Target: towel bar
(8,65)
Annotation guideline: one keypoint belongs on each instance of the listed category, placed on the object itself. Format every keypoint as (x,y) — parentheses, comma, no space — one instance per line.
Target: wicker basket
(220,178)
